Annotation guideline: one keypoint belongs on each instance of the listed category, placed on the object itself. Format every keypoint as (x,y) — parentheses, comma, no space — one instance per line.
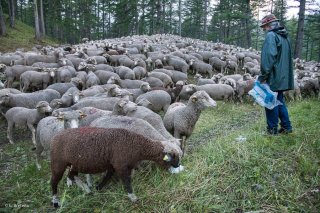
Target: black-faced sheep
(21,116)
(181,119)
(96,150)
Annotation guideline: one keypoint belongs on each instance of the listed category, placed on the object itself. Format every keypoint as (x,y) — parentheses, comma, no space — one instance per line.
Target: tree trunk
(42,27)
(300,30)
(11,12)
(36,20)
(205,16)
(180,17)
(3,29)
(247,23)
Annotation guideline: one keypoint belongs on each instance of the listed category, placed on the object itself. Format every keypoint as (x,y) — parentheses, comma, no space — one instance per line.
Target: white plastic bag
(264,96)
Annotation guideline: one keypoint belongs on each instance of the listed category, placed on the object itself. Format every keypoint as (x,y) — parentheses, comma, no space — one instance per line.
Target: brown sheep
(96,150)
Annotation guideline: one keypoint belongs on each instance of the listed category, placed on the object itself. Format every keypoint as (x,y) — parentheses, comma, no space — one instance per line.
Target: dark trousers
(279,112)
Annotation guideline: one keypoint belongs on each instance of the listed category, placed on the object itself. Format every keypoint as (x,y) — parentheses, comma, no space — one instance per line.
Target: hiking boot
(272,132)
(285,131)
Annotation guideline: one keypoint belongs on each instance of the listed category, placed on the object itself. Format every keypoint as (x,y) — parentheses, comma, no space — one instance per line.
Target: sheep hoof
(56,205)
(133,197)
(69,182)
(55,201)
(38,166)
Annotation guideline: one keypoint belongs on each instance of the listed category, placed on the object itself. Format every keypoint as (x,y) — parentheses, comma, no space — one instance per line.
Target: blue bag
(264,96)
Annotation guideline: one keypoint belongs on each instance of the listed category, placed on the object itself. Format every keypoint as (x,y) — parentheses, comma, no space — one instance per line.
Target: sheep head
(2,67)
(202,100)
(172,154)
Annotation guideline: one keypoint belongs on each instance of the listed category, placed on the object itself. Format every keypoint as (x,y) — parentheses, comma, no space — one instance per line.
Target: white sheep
(21,116)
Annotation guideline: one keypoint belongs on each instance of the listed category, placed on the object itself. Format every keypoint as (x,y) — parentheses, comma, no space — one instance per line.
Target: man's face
(265,27)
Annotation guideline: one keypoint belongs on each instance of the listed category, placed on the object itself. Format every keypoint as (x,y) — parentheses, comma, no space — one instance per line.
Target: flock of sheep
(114,89)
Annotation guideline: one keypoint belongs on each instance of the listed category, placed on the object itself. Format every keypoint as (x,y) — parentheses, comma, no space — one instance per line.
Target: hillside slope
(21,36)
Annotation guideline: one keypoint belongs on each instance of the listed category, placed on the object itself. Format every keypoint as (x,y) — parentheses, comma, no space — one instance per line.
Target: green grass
(263,173)
(21,36)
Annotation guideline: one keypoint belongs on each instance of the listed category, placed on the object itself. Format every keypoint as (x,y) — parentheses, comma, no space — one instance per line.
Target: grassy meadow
(223,173)
(21,36)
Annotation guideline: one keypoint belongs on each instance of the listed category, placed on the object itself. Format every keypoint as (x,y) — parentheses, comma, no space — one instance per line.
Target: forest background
(233,22)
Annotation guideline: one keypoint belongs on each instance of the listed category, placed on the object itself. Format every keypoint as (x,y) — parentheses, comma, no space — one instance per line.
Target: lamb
(175,75)
(231,66)
(145,87)
(126,61)
(181,119)
(70,97)
(229,81)
(28,100)
(115,157)
(91,80)
(153,81)
(127,83)
(186,92)
(218,91)
(124,72)
(243,87)
(166,79)
(294,94)
(140,61)
(34,78)
(218,64)
(50,126)
(65,73)
(105,75)
(178,64)
(202,81)
(92,91)
(201,68)
(63,87)
(160,100)
(13,73)
(139,72)
(21,116)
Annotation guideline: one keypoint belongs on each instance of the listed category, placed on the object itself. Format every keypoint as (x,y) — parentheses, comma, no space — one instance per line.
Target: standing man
(276,71)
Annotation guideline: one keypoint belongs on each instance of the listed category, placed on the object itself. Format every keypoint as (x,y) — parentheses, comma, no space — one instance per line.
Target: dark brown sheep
(96,150)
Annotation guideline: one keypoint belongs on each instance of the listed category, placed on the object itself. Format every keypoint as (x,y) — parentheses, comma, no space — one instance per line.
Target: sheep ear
(194,99)
(122,103)
(82,115)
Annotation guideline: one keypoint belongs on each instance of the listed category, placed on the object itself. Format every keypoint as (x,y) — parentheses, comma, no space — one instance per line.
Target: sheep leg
(9,132)
(184,144)
(125,175)
(56,177)
(33,131)
(105,179)
(70,176)
(89,180)
(39,150)
(82,185)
